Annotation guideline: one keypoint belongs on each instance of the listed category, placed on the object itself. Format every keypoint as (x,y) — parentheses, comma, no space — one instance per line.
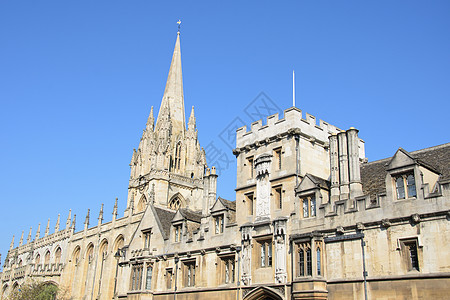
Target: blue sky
(78,78)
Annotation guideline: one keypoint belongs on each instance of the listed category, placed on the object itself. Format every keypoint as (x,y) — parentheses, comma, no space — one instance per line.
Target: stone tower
(168,166)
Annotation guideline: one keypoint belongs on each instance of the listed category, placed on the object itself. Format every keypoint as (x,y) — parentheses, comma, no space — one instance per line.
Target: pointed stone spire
(57,223)
(21,240)
(86,222)
(100,216)
(12,244)
(74,222)
(173,96)
(115,209)
(29,235)
(38,232)
(150,120)
(47,229)
(68,219)
(191,123)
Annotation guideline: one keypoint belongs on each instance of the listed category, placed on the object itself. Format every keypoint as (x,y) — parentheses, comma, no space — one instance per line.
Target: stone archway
(263,293)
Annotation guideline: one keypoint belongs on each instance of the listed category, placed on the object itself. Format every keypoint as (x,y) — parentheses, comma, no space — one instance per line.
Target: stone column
(343,166)
(353,163)
(334,167)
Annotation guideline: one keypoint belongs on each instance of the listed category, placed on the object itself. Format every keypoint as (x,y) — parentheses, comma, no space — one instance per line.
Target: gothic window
(141,204)
(249,200)
(265,253)
(47,258)
(146,234)
(278,197)
(277,155)
(58,255)
(218,224)
(76,256)
(148,278)
(90,254)
(169,278)
(38,259)
(20,263)
(178,229)
(405,180)
(189,273)
(136,277)
(175,203)
(304,259)
(309,206)
(228,269)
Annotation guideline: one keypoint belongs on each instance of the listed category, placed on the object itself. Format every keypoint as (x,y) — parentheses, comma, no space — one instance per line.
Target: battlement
(293,118)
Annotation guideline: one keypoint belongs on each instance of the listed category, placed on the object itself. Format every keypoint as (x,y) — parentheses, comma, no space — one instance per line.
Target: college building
(312,219)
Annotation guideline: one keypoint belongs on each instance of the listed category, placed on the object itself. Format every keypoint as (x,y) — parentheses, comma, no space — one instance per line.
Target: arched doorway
(263,293)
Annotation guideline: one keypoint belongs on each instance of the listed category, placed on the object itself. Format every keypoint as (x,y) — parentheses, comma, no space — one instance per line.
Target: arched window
(47,258)
(175,203)
(89,254)
(141,203)
(37,260)
(104,249)
(76,256)
(20,263)
(58,255)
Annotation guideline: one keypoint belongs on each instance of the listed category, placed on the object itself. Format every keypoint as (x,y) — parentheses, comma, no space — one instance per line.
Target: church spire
(173,97)
(191,123)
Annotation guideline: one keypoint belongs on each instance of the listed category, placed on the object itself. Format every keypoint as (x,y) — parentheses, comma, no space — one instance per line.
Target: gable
(401,159)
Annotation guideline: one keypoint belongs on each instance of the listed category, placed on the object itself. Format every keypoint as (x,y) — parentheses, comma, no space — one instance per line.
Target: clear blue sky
(78,78)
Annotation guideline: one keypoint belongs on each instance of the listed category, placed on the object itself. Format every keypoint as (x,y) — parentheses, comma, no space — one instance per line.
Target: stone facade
(312,219)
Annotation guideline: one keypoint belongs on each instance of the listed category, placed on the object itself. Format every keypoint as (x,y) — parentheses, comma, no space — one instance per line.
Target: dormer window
(218,222)
(309,206)
(146,238)
(405,186)
(178,232)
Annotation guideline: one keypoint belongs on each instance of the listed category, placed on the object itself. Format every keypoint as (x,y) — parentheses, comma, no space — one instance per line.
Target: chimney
(343,166)
(334,167)
(353,163)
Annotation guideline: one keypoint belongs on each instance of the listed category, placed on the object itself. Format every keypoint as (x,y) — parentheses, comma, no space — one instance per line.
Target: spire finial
(100,216)
(179,26)
(47,229)
(38,232)
(21,240)
(69,219)
(57,223)
(29,235)
(12,243)
(115,210)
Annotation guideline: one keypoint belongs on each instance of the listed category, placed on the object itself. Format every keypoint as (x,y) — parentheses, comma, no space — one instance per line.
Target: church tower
(168,167)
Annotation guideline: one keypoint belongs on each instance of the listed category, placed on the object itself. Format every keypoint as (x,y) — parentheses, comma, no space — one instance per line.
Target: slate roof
(165,218)
(320,181)
(229,204)
(194,216)
(373,174)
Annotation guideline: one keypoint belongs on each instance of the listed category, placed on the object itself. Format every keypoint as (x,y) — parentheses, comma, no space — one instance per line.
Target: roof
(323,183)
(227,203)
(165,218)
(373,174)
(195,216)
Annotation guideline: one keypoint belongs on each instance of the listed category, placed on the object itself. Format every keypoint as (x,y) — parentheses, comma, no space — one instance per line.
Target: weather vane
(179,25)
